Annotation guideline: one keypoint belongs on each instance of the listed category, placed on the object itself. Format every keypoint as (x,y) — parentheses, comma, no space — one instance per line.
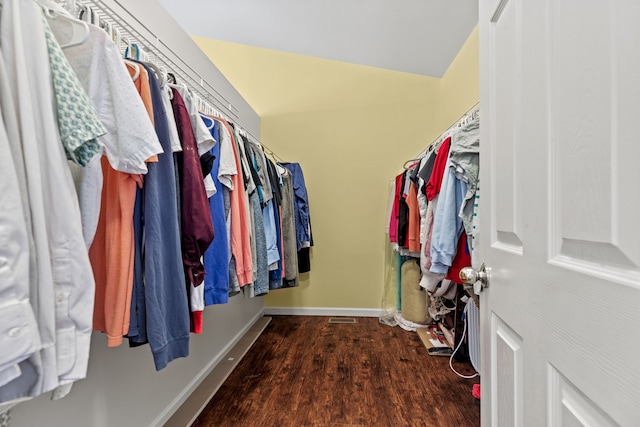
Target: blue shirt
(216,257)
(165,292)
(301,204)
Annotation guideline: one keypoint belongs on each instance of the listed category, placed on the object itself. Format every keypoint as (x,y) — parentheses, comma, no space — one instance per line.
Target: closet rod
(467,115)
(131,27)
(185,70)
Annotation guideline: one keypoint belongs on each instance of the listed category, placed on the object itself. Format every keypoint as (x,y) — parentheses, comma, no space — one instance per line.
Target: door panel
(505,212)
(590,229)
(507,386)
(569,407)
(559,209)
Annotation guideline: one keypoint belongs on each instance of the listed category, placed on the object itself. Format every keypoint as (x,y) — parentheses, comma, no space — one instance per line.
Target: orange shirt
(240,236)
(111,254)
(144,89)
(413,232)
(112,250)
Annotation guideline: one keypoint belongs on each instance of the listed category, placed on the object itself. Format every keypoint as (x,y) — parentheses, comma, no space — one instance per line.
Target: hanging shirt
(203,138)
(196,222)
(437,175)
(261,169)
(276,269)
(130,139)
(171,120)
(403,212)
(261,282)
(165,293)
(204,141)
(112,254)
(290,247)
(240,228)
(19,337)
(63,293)
(137,318)
(301,204)
(465,163)
(36,374)
(77,120)
(413,233)
(228,167)
(395,210)
(447,224)
(113,250)
(216,258)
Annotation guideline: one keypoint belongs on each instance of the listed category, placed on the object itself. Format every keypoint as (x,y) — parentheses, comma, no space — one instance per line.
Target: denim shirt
(301,205)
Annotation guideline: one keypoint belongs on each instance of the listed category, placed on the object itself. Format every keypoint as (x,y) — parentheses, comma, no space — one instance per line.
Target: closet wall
(461,82)
(350,127)
(122,387)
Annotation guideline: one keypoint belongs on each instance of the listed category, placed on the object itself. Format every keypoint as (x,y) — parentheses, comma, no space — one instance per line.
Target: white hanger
(117,37)
(156,69)
(135,66)
(163,76)
(80,29)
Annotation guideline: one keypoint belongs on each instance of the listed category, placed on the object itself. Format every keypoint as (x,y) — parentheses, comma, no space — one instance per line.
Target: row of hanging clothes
(433,228)
(127,203)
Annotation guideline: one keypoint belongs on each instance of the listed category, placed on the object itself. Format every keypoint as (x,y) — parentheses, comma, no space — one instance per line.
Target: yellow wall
(351,128)
(461,82)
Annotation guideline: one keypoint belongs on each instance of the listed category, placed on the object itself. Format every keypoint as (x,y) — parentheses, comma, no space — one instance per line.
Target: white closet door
(560,212)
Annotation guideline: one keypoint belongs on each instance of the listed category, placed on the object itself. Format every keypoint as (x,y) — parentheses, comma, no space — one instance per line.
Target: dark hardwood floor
(305,371)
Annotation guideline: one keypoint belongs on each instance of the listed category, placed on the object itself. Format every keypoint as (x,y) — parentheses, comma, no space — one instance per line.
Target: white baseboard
(195,382)
(321,311)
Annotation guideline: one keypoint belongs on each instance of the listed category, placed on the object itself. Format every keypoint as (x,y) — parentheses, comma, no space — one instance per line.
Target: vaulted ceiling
(414,36)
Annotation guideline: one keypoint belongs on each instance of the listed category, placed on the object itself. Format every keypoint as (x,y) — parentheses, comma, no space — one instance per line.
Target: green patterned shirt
(77,119)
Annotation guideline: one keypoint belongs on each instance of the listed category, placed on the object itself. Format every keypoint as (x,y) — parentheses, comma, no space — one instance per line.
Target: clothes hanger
(197,101)
(129,51)
(110,29)
(135,66)
(163,77)
(410,162)
(209,127)
(156,70)
(86,14)
(117,37)
(80,30)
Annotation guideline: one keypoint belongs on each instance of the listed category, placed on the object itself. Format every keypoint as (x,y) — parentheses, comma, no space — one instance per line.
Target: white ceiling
(414,36)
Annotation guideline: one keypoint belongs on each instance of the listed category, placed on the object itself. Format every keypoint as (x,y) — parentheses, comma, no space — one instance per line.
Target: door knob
(479,279)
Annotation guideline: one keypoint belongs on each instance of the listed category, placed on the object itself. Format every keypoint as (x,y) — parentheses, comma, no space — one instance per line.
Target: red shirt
(435,182)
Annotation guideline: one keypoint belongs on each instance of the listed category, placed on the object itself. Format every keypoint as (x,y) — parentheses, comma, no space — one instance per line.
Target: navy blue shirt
(165,292)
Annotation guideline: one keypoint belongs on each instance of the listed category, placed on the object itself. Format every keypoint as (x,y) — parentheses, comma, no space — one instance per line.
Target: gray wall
(122,387)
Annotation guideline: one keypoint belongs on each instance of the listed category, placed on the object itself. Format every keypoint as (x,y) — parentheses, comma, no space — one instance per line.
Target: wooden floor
(305,371)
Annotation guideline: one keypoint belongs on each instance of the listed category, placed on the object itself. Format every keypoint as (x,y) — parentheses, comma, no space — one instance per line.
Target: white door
(560,212)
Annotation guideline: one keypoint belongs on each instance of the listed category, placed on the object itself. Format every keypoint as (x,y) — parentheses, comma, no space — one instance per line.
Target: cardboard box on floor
(434,341)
